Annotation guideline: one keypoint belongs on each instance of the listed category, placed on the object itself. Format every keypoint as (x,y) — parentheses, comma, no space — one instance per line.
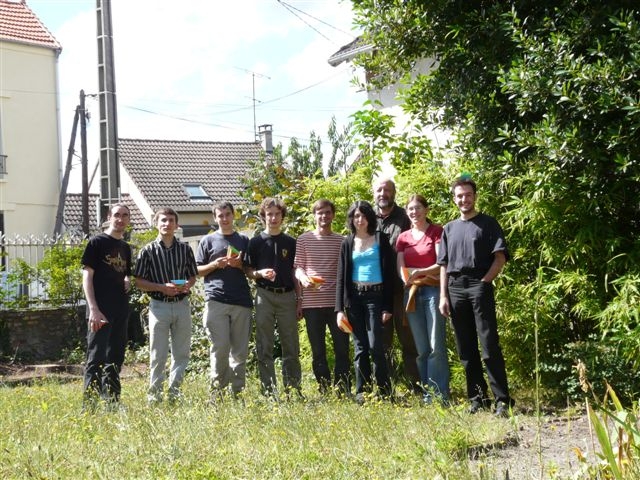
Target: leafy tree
(60,273)
(14,291)
(342,147)
(543,100)
(306,161)
(297,178)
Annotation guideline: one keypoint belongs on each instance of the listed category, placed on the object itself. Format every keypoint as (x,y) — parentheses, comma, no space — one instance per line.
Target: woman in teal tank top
(364,296)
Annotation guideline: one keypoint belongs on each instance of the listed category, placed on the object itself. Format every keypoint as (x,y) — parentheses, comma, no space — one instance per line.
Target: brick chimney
(266,137)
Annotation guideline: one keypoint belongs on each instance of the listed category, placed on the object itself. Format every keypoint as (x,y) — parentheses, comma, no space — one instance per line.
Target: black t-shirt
(110,259)
(277,252)
(468,246)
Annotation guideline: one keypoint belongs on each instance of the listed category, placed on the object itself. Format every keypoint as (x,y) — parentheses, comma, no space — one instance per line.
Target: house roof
(19,24)
(72,217)
(161,168)
(349,51)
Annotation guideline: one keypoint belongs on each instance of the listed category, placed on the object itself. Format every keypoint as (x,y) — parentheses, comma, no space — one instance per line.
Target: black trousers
(105,356)
(473,315)
(317,321)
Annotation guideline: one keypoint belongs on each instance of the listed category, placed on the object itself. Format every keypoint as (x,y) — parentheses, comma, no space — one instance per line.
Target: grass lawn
(44,434)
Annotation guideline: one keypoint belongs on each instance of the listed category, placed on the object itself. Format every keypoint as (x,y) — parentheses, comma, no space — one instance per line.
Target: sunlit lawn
(44,434)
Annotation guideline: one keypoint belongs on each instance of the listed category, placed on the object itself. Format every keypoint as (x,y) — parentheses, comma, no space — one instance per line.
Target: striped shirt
(159,264)
(318,255)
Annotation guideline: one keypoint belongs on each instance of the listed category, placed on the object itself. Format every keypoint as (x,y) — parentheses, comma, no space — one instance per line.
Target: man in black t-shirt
(105,280)
(278,301)
(472,253)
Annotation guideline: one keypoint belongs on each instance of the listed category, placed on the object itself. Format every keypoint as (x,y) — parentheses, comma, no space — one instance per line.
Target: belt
(175,299)
(276,289)
(360,287)
(471,274)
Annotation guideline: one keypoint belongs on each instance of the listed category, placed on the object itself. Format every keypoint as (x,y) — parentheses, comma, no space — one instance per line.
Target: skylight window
(196,192)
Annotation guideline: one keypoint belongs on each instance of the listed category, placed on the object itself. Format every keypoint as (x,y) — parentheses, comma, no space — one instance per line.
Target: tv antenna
(253,96)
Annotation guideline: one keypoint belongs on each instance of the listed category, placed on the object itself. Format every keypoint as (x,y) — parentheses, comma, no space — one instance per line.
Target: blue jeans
(365,316)
(429,332)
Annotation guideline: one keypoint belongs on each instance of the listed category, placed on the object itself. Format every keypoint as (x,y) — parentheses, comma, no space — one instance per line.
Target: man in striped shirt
(166,268)
(316,264)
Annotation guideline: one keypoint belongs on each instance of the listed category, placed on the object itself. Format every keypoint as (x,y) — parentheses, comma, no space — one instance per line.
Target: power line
(288,6)
(240,109)
(290,9)
(176,117)
(302,89)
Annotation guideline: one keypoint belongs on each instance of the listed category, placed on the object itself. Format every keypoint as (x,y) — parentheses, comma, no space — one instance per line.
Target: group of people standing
(393,265)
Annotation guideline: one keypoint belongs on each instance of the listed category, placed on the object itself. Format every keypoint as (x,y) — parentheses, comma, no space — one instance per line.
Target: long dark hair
(367,210)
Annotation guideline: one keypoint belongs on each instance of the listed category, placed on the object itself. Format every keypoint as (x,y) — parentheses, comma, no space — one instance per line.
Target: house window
(196,192)
(3,164)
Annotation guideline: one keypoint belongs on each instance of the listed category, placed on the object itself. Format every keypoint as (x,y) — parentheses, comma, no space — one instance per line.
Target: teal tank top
(366,265)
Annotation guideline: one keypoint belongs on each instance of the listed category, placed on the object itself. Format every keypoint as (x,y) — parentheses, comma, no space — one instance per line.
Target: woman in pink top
(417,250)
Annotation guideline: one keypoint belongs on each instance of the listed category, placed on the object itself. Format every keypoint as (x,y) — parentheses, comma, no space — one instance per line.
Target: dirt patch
(539,449)
(18,374)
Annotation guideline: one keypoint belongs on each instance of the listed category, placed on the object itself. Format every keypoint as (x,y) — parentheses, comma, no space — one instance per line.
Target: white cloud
(192,60)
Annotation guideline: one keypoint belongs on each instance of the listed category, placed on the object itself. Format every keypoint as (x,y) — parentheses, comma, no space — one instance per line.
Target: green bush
(604,366)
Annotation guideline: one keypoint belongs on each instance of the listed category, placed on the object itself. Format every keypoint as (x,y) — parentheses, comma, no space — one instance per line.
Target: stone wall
(37,335)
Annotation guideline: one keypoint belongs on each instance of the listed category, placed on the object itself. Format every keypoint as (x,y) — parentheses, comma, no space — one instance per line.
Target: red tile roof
(19,24)
(161,168)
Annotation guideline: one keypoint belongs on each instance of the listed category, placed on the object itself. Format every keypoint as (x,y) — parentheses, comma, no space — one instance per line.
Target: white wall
(30,138)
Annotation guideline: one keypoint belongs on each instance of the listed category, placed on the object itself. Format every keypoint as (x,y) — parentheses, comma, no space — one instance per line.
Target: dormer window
(196,192)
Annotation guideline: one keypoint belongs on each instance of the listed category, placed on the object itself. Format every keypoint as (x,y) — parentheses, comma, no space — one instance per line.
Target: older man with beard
(393,220)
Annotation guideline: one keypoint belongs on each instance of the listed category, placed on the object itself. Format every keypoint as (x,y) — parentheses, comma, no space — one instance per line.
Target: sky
(187,70)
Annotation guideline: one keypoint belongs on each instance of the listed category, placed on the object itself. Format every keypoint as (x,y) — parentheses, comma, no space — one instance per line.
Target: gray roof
(349,51)
(161,168)
(72,218)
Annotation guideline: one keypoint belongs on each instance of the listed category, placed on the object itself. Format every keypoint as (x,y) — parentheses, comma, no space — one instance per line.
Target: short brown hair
(165,211)
(272,202)
(116,205)
(322,203)
(463,180)
(221,206)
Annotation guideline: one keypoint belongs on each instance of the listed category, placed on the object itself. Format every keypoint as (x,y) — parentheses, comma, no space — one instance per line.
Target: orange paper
(345,325)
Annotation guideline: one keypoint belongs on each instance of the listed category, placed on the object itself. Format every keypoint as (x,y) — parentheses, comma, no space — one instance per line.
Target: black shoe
(477,405)
(502,410)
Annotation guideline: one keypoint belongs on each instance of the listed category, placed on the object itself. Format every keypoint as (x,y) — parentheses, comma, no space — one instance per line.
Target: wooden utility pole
(57,230)
(85,168)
